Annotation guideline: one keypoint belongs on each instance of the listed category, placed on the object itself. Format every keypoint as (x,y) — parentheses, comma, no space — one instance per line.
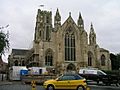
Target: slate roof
(103,50)
(19,51)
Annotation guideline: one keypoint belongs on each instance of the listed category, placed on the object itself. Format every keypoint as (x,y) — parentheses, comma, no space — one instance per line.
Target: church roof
(19,51)
(103,50)
(69,20)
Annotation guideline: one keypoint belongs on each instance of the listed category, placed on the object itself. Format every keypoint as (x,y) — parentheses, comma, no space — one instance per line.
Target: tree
(4,42)
(115,61)
(118,60)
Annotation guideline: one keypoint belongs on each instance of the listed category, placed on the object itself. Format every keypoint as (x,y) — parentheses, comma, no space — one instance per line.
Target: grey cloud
(21,16)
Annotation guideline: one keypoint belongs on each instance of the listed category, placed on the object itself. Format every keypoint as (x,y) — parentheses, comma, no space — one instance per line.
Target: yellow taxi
(66,81)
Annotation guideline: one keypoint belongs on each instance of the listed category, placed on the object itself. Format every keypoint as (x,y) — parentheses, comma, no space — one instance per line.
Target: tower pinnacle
(92,36)
(57,20)
(80,21)
(91,28)
(70,14)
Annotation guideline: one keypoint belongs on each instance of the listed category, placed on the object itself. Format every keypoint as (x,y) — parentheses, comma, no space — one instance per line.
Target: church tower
(43,25)
(57,20)
(92,36)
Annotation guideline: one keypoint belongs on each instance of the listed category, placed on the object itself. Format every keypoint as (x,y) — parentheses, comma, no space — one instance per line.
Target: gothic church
(66,46)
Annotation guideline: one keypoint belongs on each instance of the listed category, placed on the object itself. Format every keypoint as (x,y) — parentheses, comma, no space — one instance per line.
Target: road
(96,87)
(27,87)
(38,87)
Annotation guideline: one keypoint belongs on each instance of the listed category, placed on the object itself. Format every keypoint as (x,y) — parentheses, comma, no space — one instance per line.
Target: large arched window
(90,57)
(16,63)
(49,58)
(69,45)
(103,60)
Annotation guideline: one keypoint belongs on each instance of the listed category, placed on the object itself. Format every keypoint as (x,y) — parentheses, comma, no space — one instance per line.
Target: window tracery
(49,58)
(70,45)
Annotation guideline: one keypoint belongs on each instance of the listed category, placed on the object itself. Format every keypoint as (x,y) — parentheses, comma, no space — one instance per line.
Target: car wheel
(50,87)
(80,88)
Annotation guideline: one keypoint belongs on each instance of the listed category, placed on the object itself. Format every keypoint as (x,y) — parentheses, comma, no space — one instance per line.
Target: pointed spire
(80,17)
(57,10)
(57,14)
(69,14)
(80,21)
(92,36)
(57,20)
(91,28)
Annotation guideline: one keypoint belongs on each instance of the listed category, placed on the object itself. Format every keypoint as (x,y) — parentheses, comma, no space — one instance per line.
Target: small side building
(17,57)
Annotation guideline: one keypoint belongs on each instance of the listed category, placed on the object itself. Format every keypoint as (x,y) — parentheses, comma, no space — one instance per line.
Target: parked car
(99,75)
(66,81)
(92,74)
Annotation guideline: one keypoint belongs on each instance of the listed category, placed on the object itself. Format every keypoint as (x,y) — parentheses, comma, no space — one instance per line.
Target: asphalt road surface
(38,87)
(96,87)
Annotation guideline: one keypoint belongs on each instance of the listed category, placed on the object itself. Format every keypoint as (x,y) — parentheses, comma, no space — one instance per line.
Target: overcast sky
(21,17)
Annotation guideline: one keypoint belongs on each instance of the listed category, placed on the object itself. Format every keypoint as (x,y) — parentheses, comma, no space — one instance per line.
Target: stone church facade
(66,46)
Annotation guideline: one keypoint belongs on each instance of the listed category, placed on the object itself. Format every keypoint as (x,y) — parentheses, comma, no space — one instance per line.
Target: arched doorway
(71,67)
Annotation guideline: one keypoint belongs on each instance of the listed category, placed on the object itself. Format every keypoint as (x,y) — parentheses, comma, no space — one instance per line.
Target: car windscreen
(70,77)
(101,73)
(77,77)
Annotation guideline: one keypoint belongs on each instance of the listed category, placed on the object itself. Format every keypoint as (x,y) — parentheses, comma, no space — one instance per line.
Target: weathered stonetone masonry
(67,46)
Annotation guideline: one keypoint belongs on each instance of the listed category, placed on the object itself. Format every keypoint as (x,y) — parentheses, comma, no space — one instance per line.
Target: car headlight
(44,83)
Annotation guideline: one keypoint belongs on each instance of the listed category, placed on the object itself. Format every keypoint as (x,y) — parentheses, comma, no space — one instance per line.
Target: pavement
(5,82)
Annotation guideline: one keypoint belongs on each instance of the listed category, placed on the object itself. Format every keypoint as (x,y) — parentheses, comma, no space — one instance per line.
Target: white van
(14,72)
(37,70)
(92,74)
(91,71)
